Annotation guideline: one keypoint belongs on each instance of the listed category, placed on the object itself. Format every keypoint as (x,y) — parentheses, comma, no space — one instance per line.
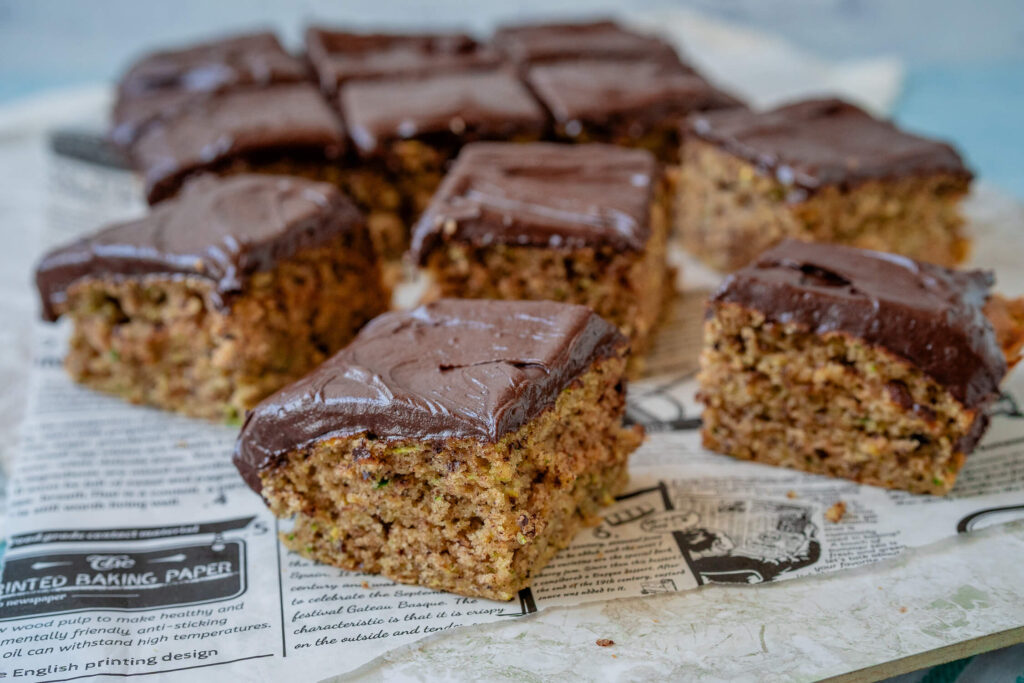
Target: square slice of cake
(583,224)
(458,446)
(633,103)
(603,39)
(159,83)
(252,59)
(406,130)
(818,170)
(339,56)
(851,363)
(286,129)
(216,298)
(132,114)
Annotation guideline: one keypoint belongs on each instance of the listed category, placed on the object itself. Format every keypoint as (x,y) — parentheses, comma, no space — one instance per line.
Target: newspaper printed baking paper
(134,547)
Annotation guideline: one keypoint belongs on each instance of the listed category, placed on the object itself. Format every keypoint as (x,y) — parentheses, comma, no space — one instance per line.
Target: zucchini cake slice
(225,62)
(217,298)
(583,224)
(630,102)
(457,446)
(280,129)
(852,363)
(338,55)
(534,43)
(820,171)
(160,82)
(407,128)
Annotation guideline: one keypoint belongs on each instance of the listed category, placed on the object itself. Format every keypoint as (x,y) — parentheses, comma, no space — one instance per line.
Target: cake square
(286,129)
(444,109)
(162,82)
(602,39)
(218,297)
(406,130)
(634,103)
(252,59)
(583,224)
(131,114)
(457,446)
(851,363)
(338,56)
(817,170)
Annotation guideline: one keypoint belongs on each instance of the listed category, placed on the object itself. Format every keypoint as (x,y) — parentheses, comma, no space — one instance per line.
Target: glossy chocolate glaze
(596,92)
(466,106)
(453,369)
(338,56)
(928,315)
(222,230)
(243,60)
(132,114)
(816,143)
(285,119)
(592,40)
(544,195)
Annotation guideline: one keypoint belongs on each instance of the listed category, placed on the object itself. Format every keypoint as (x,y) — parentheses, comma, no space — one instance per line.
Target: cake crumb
(791,494)
(835,513)
(903,609)
(605,642)
(366,584)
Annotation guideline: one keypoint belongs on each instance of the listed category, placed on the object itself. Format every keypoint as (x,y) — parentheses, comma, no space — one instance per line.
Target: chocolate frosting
(218,229)
(338,56)
(542,194)
(454,369)
(593,40)
(467,105)
(132,114)
(291,119)
(244,60)
(927,315)
(815,143)
(596,92)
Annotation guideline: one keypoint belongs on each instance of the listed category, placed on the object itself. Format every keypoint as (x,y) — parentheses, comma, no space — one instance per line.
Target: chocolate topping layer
(289,119)
(815,143)
(132,114)
(454,369)
(599,92)
(928,315)
(542,194)
(245,60)
(593,40)
(338,56)
(219,229)
(467,105)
